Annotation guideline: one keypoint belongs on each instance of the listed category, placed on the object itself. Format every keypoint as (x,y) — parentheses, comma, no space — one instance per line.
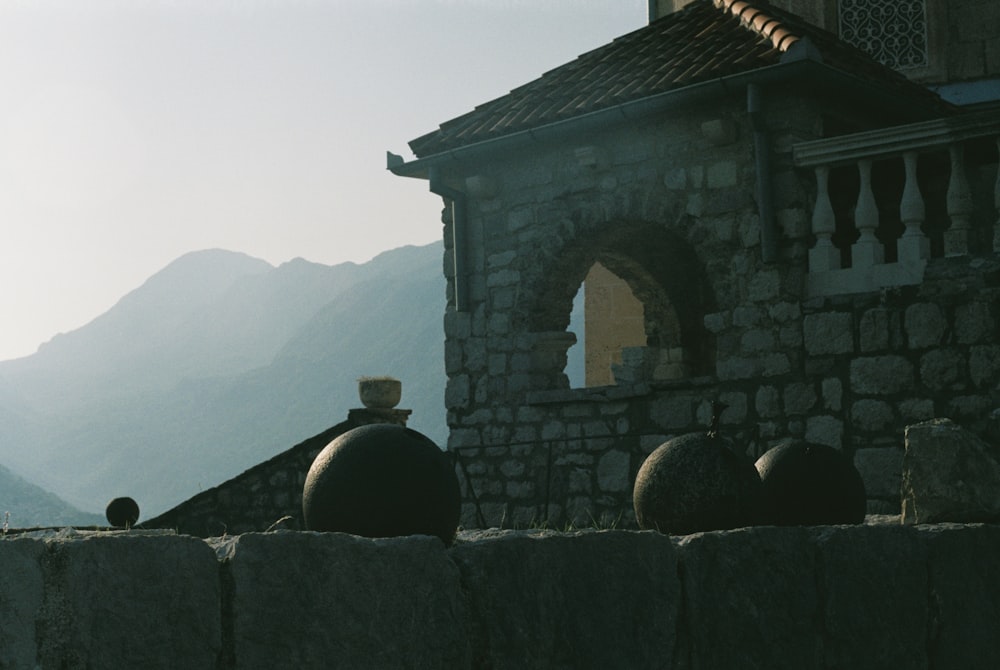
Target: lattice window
(894,32)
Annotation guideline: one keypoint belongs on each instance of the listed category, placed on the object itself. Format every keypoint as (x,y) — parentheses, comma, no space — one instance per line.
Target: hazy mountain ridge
(259,360)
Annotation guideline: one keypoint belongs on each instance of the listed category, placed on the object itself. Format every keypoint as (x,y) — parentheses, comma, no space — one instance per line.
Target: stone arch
(662,269)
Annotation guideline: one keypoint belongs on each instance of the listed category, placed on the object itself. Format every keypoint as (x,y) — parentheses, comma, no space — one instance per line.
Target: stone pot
(380,392)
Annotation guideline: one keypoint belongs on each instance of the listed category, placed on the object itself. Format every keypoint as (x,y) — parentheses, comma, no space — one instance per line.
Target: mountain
(218,362)
(24,505)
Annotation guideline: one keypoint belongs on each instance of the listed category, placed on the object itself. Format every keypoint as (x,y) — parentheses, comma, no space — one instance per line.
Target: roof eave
(811,71)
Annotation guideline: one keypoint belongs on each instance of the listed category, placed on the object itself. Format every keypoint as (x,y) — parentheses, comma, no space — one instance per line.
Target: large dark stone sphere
(695,483)
(810,484)
(382,480)
(122,512)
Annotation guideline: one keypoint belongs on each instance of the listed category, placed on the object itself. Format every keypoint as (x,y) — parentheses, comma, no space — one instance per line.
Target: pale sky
(134,131)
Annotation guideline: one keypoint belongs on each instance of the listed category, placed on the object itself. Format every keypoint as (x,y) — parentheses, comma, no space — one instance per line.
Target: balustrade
(966,229)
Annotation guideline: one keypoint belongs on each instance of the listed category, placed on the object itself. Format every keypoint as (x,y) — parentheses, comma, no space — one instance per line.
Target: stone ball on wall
(122,512)
(694,483)
(382,480)
(810,484)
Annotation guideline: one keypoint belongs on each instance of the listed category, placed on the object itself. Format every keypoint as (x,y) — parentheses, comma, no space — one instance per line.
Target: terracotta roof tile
(706,40)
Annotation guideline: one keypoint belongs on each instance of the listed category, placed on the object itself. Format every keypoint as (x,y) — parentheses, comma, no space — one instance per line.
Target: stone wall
(863,597)
(670,205)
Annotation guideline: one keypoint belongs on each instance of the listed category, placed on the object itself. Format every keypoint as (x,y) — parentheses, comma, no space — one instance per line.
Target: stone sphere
(696,483)
(810,484)
(382,480)
(122,512)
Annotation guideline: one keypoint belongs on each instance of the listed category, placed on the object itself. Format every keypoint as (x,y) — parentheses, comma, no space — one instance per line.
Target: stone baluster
(913,246)
(996,204)
(823,256)
(867,251)
(960,205)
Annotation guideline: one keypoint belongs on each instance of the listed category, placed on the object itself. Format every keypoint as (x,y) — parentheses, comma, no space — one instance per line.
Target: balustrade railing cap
(897,140)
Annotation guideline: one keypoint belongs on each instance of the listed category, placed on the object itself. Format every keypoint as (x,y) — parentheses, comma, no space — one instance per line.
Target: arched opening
(613,321)
(644,295)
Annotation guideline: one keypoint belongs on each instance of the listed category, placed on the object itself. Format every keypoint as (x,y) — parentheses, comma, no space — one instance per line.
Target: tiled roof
(706,40)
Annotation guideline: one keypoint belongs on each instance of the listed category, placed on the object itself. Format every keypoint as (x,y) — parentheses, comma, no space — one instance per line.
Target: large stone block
(319,600)
(750,600)
(871,415)
(828,333)
(21,587)
(881,375)
(949,474)
(598,599)
(925,325)
(874,608)
(942,368)
(964,596)
(874,329)
(129,600)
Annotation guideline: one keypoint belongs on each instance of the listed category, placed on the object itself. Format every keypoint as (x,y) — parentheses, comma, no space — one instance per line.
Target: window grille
(893,32)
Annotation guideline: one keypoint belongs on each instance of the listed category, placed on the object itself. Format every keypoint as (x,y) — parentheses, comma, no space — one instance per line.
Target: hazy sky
(134,131)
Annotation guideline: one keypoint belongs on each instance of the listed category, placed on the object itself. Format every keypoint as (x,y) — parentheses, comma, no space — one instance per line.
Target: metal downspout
(459,235)
(762,159)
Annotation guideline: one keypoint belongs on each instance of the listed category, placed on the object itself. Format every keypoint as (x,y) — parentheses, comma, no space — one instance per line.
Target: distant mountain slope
(29,506)
(189,381)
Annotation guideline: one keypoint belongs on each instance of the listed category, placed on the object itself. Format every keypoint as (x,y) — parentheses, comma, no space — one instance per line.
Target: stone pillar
(823,256)
(867,251)
(913,246)
(960,205)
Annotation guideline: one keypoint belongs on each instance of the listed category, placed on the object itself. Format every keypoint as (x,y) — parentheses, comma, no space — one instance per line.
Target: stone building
(765,215)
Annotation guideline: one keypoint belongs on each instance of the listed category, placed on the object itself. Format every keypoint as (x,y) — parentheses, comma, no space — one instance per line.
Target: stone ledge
(872,596)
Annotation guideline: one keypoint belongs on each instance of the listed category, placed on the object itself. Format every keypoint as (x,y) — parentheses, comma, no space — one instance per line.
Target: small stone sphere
(122,512)
(694,483)
(382,480)
(809,485)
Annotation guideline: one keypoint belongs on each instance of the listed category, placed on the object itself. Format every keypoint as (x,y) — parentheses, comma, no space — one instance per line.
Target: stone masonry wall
(670,206)
(861,597)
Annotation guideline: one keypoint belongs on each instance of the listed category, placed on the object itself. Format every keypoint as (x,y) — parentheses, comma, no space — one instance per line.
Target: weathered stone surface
(881,469)
(826,430)
(925,325)
(311,600)
(750,600)
(881,375)
(694,483)
(828,333)
(949,474)
(127,600)
(799,398)
(613,471)
(528,592)
(21,587)
(871,415)
(941,368)
(874,330)
(964,596)
(874,610)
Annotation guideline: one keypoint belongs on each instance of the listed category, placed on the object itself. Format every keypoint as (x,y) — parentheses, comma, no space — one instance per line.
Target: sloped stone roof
(707,40)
